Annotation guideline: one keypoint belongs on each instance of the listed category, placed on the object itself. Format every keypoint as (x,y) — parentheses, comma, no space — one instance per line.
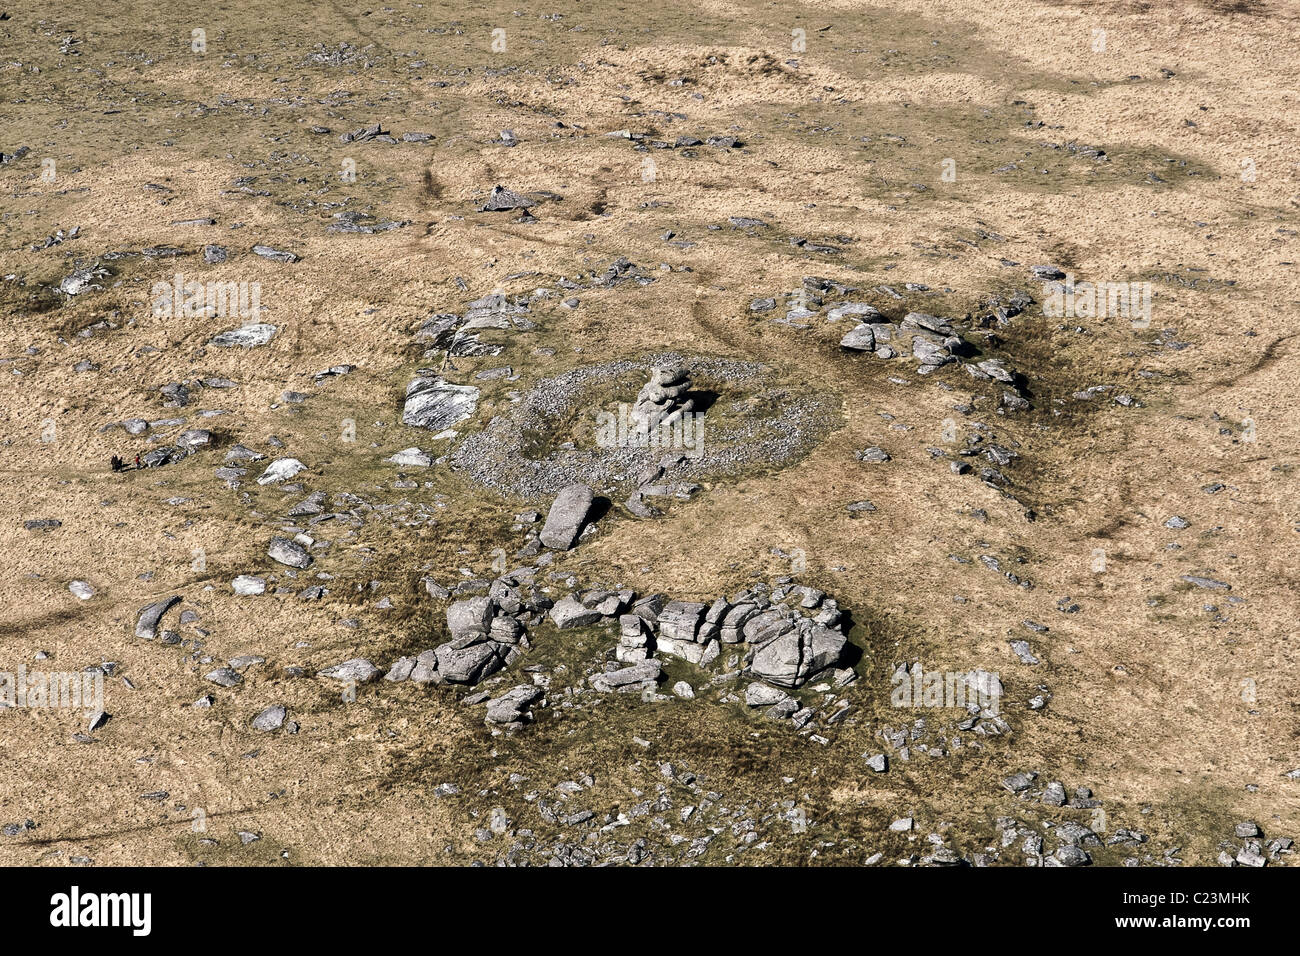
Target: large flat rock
(435,404)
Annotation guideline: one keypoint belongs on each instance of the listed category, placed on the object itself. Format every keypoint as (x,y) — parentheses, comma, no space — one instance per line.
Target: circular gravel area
(547,439)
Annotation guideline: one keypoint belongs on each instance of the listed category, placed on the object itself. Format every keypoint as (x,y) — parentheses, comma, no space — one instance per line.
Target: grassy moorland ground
(1174,704)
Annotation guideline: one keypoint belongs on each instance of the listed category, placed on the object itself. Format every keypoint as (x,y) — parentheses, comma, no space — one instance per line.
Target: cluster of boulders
(487,634)
(457,335)
(786,645)
(791,635)
(1254,851)
(931,340)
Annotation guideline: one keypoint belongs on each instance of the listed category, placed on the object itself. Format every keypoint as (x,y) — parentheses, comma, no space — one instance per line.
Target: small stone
(272,718)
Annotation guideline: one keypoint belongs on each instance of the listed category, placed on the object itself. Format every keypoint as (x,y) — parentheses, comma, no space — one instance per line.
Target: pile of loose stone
(933,342)
(1254,851)
(662,400)
(493,456)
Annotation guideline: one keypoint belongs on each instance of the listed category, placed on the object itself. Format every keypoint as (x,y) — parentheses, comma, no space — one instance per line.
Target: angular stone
(289,552)
(570,612)
(146,624)
(401,669)
(852,309)
(568,514)
(511,708)
(224,677)
(761,695)
(628,676)
(411,458)
(435,404)
(859,339)
(282,469)
(680,620)
(468,665)
(247,584)
(424,670)
(357,669)
(270,719)
(503,200)
(469,618)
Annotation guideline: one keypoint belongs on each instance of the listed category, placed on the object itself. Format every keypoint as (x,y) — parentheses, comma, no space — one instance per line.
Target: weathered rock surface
(436,404)
(568,515)
(289,552)
(146,625)
(510,710)
(246,336)
(358,670)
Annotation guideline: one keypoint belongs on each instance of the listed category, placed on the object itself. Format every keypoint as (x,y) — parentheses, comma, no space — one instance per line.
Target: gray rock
(1208,583)
(1250,855)
(424,668)
(401,669)
(249,335)
(637,674)
(470,619)
(859,339)
(680,620)
(224,676)
(248,585)
(852,309)
(761,695)
(282,469)
(279,255)
(1072,856)
(411,458)
(662,400)
(289,552)
(570,612)
(357,669)
(270,719)
(503,200)
(469,665)
(313,504)
(1054,794)
(437,405)
(82,590)
(791,659)
(878,762)
(146,624)
(568,515)
(1019,782)
(511,708)
(1022,650)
